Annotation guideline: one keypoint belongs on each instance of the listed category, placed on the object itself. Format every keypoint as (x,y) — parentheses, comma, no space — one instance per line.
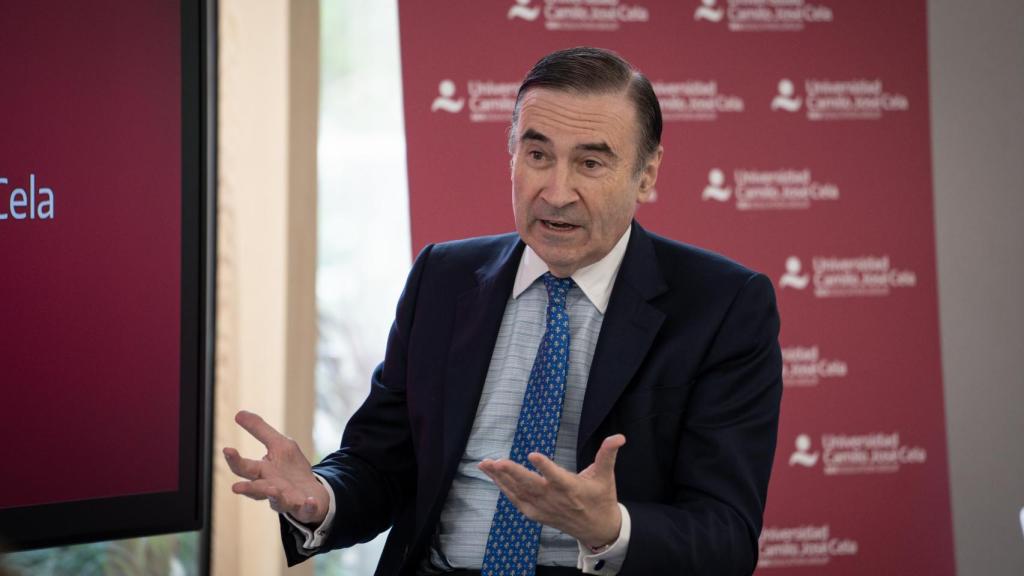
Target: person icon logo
(793,278)
(522,9)
(803,456)
(786,98)
(445,99)
(708,11)
(715,189)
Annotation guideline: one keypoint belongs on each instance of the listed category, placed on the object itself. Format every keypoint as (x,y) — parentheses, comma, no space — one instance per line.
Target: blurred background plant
(166,555)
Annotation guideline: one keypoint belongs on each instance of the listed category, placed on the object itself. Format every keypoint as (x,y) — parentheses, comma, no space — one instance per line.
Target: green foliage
(167,555)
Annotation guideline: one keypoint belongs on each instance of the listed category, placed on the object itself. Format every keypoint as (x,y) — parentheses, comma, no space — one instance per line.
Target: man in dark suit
(668,346)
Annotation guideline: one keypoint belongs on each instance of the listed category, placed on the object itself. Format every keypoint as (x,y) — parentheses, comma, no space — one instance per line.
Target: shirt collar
(596,280)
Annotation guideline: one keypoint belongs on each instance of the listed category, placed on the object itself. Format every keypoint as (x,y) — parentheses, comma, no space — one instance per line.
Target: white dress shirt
(595,282)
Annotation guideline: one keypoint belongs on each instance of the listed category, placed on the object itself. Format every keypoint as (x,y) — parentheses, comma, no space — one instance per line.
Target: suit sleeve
(725,452)
(373,473)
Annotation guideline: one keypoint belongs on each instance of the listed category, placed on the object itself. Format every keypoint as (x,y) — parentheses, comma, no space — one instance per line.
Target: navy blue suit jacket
(687,366)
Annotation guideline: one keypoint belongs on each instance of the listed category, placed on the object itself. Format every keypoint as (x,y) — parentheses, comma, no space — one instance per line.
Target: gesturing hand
(283,476)
(583,505)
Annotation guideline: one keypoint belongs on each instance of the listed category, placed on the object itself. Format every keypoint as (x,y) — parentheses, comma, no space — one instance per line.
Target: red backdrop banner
(797,142)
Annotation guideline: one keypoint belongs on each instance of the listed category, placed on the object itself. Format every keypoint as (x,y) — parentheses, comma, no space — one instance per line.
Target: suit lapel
(627,332)
(478,314)
(477,319)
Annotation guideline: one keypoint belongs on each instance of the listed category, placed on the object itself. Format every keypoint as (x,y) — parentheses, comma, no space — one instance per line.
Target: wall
(266,256)
(977,89)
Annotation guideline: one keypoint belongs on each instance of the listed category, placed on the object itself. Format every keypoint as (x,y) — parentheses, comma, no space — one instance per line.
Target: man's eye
(591,164)
(536,155)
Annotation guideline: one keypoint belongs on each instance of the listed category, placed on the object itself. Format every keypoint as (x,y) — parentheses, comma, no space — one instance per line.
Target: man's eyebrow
(601,147)
(532,134)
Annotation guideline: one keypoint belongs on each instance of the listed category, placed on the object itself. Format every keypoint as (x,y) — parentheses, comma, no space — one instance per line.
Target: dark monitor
(105,273)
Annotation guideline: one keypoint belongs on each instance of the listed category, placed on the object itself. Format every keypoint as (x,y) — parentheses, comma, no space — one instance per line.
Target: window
(171,554)
(363,246)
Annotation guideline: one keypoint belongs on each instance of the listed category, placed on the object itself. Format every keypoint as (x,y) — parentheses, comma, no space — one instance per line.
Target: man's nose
(560,189)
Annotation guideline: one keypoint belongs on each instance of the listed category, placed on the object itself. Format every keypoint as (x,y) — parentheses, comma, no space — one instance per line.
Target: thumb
(604,462)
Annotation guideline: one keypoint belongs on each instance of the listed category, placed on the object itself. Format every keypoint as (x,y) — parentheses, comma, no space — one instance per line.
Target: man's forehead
(561,113)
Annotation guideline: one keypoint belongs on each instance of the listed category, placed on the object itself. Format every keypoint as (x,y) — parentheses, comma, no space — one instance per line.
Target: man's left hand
(583,505)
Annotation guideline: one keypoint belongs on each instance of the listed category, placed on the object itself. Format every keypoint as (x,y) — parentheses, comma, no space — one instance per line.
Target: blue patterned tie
(513,541)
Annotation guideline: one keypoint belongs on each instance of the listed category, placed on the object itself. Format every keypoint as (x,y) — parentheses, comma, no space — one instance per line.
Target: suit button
(599,565)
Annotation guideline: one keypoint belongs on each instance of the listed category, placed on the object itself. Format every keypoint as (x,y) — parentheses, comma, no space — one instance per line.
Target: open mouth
(558,226)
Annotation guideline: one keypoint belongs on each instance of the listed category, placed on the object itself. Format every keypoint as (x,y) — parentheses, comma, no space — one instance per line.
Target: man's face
(574,180)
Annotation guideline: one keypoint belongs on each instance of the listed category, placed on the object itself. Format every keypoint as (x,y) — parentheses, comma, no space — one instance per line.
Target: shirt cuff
(609,560)
(315,538)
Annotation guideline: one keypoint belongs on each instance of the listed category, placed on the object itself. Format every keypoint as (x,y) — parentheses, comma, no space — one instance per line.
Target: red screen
(90,249)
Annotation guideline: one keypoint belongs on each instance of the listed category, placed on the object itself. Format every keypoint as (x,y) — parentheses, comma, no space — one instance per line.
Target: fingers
(283,499)
(256,489)
(582,505)
(513,478)
(244,467)
(553,472)
(606,454)
(253,424)
(521,486)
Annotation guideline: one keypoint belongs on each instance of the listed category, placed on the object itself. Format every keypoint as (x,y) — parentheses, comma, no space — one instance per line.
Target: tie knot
(558,288)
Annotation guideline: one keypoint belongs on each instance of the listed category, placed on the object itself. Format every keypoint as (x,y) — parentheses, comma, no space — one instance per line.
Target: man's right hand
(283,476)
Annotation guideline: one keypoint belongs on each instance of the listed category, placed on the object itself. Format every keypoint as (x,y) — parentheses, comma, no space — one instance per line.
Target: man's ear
(649,176)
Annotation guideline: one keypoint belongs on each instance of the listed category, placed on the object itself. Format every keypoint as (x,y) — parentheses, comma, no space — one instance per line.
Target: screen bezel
(186,509)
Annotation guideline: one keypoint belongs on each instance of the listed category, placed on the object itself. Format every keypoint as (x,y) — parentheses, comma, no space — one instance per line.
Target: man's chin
(561,261)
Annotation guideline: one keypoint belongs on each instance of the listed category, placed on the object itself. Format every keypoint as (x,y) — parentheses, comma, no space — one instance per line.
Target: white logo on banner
(808,545)
(845,454)
(859,99)
(782,189)
(803,455)
(786,98)
(805,366)
(877,453)
(716,190)
(592,15)
(446,98)
(858,277)
(764,15)
(522,9)
(708,11)
(488,101)
(691,100)
(794,276)
(491,101)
